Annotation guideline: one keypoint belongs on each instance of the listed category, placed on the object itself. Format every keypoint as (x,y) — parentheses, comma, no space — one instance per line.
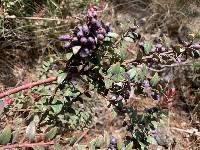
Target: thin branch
(26,145)
(186,131)
(26,86)
(40,18)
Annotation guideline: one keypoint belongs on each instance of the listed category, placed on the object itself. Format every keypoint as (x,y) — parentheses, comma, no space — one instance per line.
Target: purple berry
(85,29)
(98,24)
(113,140)
(83,41)
(92,47)
(155,96)
(102,31)
(100,37)
(75,40)
(91,40)
(151,110)
(84,52)
(65,37)
(93,22)
(67,46)
(108,27)
(158,47)
(195,46)
(80,34)
(146,83)
(79,27)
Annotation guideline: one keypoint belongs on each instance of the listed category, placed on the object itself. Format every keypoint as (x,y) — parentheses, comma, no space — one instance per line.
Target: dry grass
(169,15)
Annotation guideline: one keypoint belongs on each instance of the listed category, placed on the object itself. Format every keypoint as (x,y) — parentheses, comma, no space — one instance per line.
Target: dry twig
(26,145)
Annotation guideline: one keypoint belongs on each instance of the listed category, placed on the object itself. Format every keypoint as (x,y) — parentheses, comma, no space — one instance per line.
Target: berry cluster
(113,143)
(87,35)
(146,85)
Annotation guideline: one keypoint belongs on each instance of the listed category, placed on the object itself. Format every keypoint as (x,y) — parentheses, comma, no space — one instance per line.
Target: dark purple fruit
(85,29)
(67,46)
(92,47)
(84,52)
(91,41)
(93,32)
(93,22)
(151,110)
(98,24)
(75,40)
(80,34)
(83,41)
(79,27)
(100,37)
(113,140)
(65,37)
(155,96)
(102,31)
(108,27)
(146,83)
(159,47)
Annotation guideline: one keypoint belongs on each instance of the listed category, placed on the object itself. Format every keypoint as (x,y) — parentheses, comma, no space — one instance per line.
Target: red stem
(26,145)
(26,86)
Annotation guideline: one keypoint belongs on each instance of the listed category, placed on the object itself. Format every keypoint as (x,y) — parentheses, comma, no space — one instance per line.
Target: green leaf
(178,49)
(61,77)
(112,35)
(69,55)
(129,146)
(155,79)
(57,107)
(76,49)
(57,147)
(151,140)
(121,52)
(93,144)
(143,72)
(115,69)
(196,66)
(132,72)
(118,78)
(128,39)
(114,114)
(81,147)
(5,135)
(99,142)
(51,134)
(147,47)
(155,124)
(142,145)
(108,83)
(120,144)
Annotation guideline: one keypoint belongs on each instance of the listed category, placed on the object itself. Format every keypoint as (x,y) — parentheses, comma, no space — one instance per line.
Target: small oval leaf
(129,146)
(151,140)
(5,135)
(51,134)
(112,35)
(61,77)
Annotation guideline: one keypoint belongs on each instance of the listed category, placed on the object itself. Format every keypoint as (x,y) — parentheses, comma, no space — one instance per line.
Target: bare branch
(26,145)
(26,86)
